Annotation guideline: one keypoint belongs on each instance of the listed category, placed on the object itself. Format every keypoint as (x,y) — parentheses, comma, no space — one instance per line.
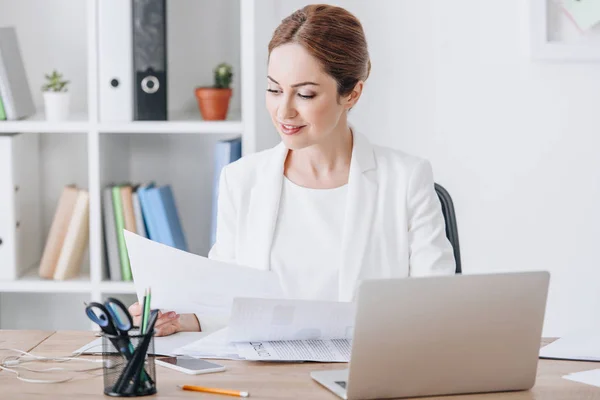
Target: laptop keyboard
(341,383)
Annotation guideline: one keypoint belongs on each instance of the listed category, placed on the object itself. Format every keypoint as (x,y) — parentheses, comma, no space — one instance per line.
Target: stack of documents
(243,308)
(281,330)
(581,347)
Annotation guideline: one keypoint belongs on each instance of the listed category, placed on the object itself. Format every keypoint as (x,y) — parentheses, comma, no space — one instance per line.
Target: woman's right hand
(167,323)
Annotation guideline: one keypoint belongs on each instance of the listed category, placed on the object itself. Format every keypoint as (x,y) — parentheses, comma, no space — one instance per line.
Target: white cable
(35,380)
(14,362)
(20,359)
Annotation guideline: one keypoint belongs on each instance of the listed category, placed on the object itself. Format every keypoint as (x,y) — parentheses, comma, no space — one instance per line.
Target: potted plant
(214,101)
(56,97)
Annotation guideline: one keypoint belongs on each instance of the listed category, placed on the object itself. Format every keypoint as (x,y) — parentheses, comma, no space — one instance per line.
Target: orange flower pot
(213,102)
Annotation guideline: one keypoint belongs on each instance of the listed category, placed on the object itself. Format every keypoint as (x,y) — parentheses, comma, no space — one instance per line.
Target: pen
(215,390)
(142,322)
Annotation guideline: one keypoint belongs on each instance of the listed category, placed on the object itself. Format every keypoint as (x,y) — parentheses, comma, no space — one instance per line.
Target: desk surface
(262,380)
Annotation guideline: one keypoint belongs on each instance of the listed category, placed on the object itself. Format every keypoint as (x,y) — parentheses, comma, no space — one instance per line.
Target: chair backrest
(451,226)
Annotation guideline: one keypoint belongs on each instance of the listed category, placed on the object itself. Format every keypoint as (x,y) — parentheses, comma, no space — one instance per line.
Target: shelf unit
(119,151)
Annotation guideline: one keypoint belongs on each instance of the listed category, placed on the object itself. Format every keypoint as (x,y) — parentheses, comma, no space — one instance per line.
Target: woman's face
(301,99)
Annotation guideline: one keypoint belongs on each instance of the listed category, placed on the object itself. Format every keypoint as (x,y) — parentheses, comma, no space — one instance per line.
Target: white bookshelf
(92,153)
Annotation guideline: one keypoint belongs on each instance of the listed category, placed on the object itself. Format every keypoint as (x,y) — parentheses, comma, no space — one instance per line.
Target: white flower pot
(56,105)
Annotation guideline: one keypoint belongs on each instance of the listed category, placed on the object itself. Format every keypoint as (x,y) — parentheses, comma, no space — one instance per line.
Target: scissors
(111,324)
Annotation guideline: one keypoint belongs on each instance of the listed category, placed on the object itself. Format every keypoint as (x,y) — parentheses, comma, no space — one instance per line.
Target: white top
(306,249)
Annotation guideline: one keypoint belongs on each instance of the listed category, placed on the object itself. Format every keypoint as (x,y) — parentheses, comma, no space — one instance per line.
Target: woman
(325,208)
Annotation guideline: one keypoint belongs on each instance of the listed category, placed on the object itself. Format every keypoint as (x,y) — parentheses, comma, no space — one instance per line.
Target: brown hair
(333,36)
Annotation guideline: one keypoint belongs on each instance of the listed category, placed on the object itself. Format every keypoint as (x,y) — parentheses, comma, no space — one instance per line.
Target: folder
(14,87)
(115,61)
(226,152)
(166,217)
(150,59)
(20,206)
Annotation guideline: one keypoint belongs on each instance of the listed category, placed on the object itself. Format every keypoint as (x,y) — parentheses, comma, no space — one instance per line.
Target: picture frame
(545,15)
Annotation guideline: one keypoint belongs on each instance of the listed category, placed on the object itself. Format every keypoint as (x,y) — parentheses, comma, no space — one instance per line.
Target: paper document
(281,330)
(583,347)
(163,345)
(214,345)
(189,283)
(334,350)
(217,345)
(588,377)
(282,319)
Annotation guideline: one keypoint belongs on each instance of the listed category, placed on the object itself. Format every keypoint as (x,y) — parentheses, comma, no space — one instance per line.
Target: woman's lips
(290,129)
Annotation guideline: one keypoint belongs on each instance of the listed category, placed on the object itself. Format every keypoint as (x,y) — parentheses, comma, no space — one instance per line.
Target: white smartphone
(189,365)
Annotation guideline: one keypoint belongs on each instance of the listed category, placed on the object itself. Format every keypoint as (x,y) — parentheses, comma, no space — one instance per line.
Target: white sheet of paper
(584,347)
(214,345)
(163,345)
(335,350)
(282,319)
(591,377)
(189,283)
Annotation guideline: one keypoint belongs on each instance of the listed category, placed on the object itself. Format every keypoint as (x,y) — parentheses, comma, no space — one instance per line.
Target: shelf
(190,122)
(31,282)
(117,287)
(77,123)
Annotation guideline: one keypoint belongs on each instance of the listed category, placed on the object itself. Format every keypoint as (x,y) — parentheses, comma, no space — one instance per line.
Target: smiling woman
(325,208)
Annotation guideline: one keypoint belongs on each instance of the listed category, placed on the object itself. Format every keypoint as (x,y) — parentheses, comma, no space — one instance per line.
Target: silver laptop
(443,335)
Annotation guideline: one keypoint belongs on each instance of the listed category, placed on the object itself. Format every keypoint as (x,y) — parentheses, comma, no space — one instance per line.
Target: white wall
(514,141)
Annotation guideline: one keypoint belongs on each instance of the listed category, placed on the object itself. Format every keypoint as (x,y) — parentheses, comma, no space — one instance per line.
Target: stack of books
(16,101)
(68,236)
(147,210)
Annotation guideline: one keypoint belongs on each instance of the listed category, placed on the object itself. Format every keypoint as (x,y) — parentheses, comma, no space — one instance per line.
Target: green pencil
(146,315)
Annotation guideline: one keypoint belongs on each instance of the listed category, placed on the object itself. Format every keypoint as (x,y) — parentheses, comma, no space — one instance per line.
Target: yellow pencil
(215,390)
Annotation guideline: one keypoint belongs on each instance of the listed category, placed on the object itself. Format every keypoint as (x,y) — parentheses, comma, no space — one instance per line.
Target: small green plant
(55,83)
(223,76)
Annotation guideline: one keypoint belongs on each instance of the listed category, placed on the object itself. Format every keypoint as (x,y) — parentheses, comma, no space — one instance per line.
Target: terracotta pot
(213,102)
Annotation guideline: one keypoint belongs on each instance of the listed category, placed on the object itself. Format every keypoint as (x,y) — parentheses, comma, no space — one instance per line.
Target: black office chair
(450,218)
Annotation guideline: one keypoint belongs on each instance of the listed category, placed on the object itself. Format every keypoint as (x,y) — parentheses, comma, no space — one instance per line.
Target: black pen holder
(129,369)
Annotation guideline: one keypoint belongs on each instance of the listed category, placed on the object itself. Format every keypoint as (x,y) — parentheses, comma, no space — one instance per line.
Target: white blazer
(394,226)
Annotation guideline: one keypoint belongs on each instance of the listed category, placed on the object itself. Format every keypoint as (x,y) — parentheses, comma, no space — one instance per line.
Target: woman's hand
(167,323)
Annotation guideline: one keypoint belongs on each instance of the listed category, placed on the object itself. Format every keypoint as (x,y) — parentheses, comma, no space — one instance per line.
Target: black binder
(150,59)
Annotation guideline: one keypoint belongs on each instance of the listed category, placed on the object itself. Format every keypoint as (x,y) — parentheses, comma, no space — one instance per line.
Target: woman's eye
(272,91)
(306,96)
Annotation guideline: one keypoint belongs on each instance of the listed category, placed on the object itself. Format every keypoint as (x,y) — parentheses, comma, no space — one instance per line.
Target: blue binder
(165,217)
(226,152)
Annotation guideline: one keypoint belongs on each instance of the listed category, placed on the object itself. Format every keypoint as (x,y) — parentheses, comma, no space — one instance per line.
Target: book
(151,228)
(139,219)
(76,239)
(128,212)
(112,258)
(58,231)
(14,87)
(120,226)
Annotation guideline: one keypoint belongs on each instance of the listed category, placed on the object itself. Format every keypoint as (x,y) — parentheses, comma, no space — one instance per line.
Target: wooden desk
(262,380)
